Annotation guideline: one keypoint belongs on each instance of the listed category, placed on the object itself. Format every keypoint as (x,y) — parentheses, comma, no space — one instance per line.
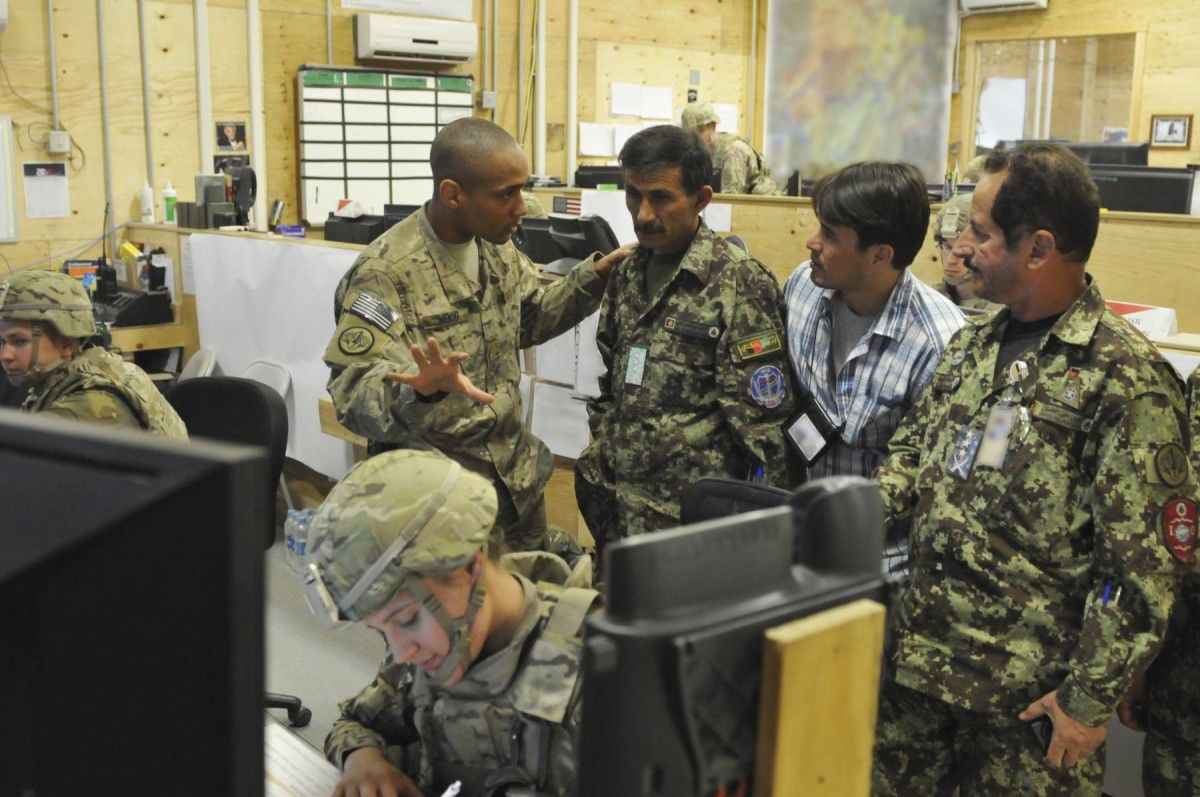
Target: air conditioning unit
(989,6)
(394,38)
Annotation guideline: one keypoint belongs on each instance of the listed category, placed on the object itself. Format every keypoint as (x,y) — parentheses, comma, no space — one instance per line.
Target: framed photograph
(1170,132)
(231,136)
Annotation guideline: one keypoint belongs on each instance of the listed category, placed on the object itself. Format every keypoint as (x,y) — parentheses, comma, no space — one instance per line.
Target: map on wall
(852,80)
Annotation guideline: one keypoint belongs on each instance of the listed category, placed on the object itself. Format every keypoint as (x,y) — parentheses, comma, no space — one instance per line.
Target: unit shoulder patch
(356,340)
(759,344)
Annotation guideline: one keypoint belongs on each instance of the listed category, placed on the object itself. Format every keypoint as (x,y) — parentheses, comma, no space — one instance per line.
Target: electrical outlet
(487,100)
(58,142)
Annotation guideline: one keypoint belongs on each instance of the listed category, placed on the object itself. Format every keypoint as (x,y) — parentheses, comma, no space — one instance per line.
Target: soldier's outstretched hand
(438,374)
(369,774)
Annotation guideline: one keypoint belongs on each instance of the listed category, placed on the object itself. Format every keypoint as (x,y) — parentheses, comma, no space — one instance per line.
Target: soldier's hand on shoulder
(436,374)
(605,264)
(369,774)
(1072,741)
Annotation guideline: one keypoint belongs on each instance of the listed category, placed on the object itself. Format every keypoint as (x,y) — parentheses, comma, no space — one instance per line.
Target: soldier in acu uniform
(45,322)
(482,681)
(691,332)
(448,279)
(1044,477)
(956,283)
(742,168)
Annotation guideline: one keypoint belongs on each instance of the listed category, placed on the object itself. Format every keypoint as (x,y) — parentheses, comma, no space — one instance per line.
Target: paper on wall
(596,139)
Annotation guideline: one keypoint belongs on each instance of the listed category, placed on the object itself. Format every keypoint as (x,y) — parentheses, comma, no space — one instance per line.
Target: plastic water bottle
(147,199)
(289,534)
(169,197)
(302,520)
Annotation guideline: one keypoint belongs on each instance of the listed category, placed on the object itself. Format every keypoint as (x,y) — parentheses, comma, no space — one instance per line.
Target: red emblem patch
(1179,528)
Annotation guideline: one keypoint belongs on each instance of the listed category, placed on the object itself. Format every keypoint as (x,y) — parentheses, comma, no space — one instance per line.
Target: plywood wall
(656,44)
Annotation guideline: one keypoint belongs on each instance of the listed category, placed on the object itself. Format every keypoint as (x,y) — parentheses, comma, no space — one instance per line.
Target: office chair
(838,520)
(201,363)
(236,410)
(738,242)
(579,237)
(533,238)
(276,376)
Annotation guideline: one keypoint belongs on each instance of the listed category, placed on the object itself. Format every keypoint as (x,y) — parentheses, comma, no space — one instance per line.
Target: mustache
(649,229)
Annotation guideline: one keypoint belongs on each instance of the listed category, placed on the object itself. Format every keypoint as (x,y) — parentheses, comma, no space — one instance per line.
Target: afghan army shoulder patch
(356,340)
(374,311)
(1178,520)
(758,345)
(1171,464)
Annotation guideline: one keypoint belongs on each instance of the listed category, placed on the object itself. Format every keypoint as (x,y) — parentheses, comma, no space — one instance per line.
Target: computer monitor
(672,665)
(131,614)
(1143,189)
(1127,153)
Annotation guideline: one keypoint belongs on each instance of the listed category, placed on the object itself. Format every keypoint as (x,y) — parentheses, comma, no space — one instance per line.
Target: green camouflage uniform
(405,288)
(534,209)
(1171,756)
(1010,566)
(525,697)
(98,386)
(698,384)
(742,169)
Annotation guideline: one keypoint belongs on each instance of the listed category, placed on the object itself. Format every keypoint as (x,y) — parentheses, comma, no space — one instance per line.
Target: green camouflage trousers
(1170,767)
(927,748)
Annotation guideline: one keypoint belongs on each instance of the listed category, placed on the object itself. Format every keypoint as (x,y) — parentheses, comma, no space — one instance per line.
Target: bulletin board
(365,135)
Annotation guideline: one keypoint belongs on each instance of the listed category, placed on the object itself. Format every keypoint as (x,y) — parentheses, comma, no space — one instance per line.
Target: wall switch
(487,100)
(58,142)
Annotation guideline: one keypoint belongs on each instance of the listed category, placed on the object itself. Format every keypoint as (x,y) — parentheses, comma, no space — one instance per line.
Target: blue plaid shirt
(884,373)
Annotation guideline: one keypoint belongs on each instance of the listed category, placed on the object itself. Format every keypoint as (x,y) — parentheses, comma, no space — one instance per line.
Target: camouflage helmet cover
(698,114)
(49,297)
(386,497)
(952,218)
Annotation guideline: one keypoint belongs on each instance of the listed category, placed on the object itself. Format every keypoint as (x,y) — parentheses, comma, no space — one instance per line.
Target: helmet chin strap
(35,373)
(956,281)
(459,631)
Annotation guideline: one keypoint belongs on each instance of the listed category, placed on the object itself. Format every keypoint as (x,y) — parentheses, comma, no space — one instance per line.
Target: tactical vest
(97,369)
(474,739)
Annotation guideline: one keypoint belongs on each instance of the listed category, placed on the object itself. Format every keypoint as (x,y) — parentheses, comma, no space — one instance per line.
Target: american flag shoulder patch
(374,311)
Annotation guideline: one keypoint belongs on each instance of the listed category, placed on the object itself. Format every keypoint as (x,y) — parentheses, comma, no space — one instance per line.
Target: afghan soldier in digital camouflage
(449,274)
(1044,477)
(690,331)
(1168,706)
(46,320)
(482,681)
(742,168)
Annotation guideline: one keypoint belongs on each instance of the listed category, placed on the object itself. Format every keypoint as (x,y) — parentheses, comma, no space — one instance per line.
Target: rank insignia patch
(1179,528)
(356,340)
(374,312)
(767,387)
(1171,464)
(758,345)
(962,455)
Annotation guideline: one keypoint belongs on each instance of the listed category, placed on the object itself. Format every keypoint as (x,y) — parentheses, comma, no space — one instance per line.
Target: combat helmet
(48,297)
(394,516)
(698,114)
(952,218)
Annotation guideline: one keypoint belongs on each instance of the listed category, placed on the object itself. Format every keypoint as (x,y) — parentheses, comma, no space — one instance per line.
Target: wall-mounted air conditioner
(393,38)
(987,6)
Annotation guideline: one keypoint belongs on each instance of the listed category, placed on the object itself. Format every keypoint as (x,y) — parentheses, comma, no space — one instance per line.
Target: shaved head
(462,147)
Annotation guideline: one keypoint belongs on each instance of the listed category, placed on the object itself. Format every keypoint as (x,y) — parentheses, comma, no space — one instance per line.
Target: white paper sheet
(728,113)
(609,205)
(718,216)
(656,102)
(621,134)
(595,139)
(559,419)
(293,769)
(556,359)
(626,99)
(47,195)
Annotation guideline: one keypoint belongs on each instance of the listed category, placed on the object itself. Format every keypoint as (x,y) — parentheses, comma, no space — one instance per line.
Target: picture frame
(1170,131)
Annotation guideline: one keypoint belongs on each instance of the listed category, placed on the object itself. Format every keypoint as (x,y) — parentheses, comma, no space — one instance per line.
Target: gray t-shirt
(848,330)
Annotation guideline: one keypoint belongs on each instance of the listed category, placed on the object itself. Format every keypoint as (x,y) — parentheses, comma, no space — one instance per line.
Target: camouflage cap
(49,297)
(952,218)
(394,515)
(698,114)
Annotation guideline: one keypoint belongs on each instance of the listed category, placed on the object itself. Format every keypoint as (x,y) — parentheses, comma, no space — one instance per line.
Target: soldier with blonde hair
(46,321)
(481,684)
